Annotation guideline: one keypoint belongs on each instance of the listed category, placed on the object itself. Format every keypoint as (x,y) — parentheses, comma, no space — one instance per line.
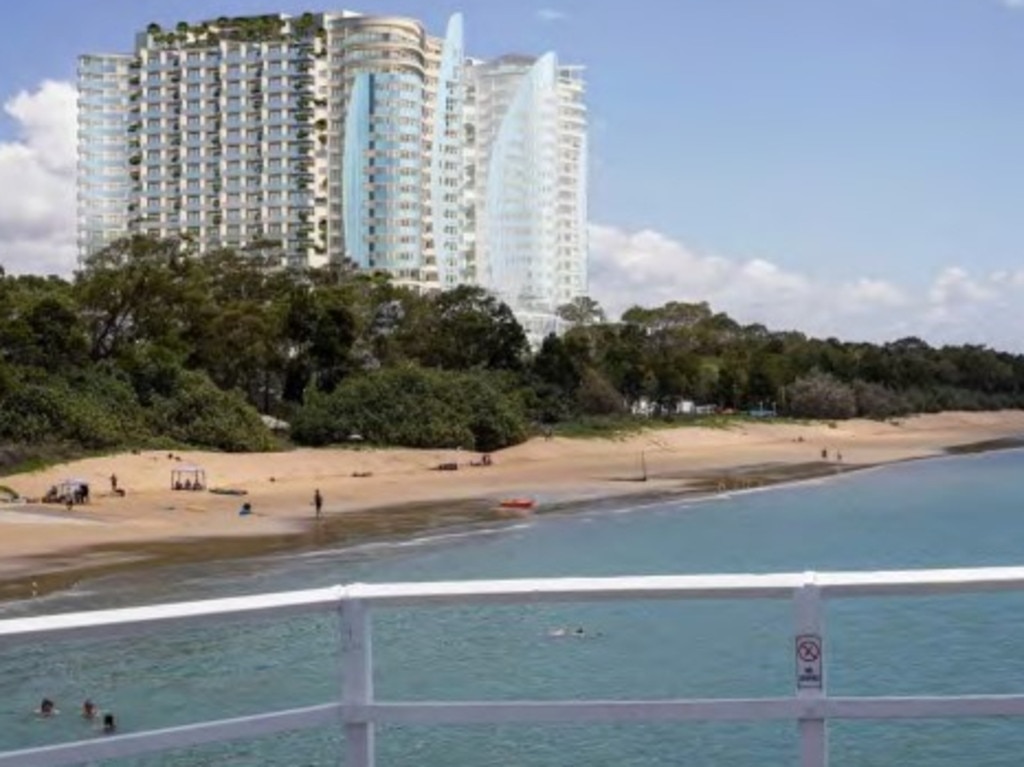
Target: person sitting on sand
(47,709)
(89,710)
(109,724)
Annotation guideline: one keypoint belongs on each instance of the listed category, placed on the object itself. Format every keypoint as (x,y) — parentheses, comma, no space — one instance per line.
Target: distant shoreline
(163,529)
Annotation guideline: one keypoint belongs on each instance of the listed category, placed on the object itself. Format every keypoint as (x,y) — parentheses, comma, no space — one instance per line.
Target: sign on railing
(810,707)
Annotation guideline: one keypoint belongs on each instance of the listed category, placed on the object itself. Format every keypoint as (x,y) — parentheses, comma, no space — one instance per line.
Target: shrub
(95,411)
(821,395)
(198,413)
(414,407)
(877,401)
(596,396)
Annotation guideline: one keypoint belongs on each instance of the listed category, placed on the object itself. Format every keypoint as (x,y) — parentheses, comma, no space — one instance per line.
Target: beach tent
(73,488)
(188,477)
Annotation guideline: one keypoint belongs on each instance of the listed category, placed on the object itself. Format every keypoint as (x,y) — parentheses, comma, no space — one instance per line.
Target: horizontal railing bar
(593,711)
(919,582)
(105,623)
(737,586)
(578,589)
(185,736)
(709,709)
(517,712)
(741,586)
(926,707)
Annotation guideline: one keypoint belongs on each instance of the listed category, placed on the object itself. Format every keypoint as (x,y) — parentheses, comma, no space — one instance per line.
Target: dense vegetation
(150,344)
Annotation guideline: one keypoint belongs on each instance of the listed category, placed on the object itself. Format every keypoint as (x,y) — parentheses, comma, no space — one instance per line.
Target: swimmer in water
(46,708)
(564,632)
(109,725)
(89,710)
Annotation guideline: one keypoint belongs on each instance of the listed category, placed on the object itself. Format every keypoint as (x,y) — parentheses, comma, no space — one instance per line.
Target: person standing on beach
(113,483)
(318,502)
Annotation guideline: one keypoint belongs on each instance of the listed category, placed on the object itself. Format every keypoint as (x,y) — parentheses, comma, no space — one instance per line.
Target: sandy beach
(380,491)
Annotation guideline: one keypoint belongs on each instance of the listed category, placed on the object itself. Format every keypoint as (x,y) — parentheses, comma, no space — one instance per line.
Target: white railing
(359,712)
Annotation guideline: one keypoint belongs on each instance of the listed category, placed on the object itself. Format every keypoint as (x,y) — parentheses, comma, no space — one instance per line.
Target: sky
(842,167)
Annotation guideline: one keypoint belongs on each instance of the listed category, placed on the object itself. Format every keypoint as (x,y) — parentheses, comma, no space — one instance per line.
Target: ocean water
(963,511)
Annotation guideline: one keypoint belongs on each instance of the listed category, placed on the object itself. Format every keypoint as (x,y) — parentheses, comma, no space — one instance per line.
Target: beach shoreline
(384,495)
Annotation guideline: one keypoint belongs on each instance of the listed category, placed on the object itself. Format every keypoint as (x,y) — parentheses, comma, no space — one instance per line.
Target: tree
(137,288)
(821,395)
(582,311)
(468,328)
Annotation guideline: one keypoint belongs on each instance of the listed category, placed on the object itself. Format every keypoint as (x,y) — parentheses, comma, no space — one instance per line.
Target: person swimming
(109,724)
(47,708)
(564,632)
(89,710)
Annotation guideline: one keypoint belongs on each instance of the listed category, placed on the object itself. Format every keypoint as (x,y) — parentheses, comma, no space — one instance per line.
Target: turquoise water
(965,511)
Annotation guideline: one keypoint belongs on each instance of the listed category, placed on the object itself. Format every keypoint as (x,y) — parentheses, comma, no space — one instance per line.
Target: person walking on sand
(113,483)
(318,502)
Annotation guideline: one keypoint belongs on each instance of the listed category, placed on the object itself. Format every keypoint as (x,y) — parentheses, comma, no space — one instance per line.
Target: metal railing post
(809,662)
(357,682)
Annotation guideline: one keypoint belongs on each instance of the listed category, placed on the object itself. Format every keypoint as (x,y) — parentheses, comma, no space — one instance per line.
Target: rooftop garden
(244,29)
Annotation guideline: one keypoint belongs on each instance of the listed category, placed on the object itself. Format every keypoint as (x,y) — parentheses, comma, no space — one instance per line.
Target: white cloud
(650,269)
(37,181)
(551,14)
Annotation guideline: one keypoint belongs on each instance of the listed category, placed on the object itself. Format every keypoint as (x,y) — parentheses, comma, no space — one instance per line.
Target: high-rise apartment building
(337,135)
(345,138)
(104,189)
(528,176)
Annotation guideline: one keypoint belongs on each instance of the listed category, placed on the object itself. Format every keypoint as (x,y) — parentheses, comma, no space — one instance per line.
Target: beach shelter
(188,477)
(76,489)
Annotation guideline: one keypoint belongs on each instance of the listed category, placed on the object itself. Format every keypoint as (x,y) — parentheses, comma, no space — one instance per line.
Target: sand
(36,539)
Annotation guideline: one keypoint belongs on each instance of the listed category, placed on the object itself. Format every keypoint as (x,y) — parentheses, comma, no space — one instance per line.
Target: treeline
(151,345)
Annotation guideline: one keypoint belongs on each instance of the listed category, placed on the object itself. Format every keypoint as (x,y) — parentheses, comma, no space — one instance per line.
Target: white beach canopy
(188,475)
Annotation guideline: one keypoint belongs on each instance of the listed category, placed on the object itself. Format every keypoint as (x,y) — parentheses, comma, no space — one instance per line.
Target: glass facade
(528,175)
(104,188)
(446,165)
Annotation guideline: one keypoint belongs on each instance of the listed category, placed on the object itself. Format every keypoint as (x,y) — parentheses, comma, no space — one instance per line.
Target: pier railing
(809,707)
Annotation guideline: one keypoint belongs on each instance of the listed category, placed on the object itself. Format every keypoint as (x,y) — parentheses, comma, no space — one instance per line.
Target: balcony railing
(809,707)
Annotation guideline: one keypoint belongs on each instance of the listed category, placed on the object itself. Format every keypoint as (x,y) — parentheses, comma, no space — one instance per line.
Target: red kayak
(518,503)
